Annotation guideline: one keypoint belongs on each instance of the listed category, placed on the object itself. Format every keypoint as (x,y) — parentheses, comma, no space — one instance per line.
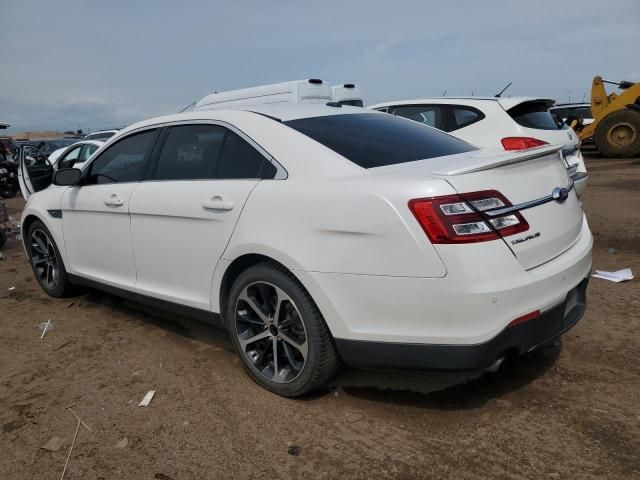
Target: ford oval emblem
(560,194)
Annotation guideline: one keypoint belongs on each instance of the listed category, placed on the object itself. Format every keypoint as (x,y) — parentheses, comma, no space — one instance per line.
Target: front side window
(536,115)
(123,161)
(430,115)
(372,140)
(86,152)
(70,158)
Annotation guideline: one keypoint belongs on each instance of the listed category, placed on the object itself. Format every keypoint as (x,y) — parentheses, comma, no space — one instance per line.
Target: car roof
(505,102)
(281,112)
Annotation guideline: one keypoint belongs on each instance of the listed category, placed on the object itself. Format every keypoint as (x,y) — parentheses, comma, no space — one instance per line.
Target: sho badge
(525,239)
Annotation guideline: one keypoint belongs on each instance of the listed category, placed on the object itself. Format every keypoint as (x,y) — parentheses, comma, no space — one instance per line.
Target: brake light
(521,143)
(459,218)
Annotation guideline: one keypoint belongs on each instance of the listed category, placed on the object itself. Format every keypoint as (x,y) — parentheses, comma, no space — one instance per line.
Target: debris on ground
(617,276)
(2,257)
(75,435)
(11,289)
(162,476)
(45,327)
(54,444)
(293,450)
(147,398)
(612,250)
(123,443)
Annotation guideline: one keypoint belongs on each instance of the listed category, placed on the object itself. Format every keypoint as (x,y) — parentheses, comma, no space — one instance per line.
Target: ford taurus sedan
(321,234)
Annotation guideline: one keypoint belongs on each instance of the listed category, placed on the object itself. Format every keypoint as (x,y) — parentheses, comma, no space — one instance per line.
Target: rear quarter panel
(359,226)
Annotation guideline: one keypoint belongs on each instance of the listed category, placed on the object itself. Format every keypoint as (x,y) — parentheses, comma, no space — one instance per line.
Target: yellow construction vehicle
(616,119)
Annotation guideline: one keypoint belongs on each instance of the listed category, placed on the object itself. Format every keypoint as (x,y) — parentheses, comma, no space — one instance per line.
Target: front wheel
(46,261)
(618,134)
(278,331)
(8,191)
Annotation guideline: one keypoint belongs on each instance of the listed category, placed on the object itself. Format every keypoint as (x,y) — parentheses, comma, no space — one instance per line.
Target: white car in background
(316,233)
(103,135)
(74,154)
(510,123)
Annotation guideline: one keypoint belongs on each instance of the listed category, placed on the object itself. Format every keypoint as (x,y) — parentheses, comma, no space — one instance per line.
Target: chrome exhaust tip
(495,366)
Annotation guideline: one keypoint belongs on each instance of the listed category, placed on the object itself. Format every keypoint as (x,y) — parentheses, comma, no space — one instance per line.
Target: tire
(255,297)
(46,261)
(618,135)
(8,191)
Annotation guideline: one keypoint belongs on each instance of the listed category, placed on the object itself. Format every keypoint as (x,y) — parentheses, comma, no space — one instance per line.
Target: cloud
(99,65)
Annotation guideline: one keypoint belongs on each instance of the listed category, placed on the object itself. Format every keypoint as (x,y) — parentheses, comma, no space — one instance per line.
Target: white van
(312,90)
(348,94)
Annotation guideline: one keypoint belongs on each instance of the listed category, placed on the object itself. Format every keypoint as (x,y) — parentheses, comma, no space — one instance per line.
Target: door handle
(113,201)
(217,203)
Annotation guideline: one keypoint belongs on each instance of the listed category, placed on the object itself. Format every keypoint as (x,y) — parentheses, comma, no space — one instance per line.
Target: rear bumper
(580,180)
(518,339)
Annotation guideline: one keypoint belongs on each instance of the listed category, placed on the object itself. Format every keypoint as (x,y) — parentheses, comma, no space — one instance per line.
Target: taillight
(459,218)
(521,143)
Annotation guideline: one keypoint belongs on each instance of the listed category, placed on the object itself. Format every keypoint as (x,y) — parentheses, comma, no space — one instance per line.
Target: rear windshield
(374,140)
(536,115)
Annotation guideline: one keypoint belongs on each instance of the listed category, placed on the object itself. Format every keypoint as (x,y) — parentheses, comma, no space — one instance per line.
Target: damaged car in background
(497,123)
(318,234)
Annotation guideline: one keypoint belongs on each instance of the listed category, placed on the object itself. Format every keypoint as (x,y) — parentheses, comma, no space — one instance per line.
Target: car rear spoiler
(501,159)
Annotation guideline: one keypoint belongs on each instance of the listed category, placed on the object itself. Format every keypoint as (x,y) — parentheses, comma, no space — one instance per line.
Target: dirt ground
(569,411)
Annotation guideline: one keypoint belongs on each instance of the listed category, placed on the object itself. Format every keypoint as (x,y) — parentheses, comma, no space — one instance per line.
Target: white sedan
(318,233)
(74,154)
(510,123)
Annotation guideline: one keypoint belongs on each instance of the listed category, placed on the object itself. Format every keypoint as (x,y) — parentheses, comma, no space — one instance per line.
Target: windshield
(375,140)
(536,115)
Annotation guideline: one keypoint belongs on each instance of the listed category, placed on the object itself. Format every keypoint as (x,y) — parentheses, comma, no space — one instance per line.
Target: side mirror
(67,177)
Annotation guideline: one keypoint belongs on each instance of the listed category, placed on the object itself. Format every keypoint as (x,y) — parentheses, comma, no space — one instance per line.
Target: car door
(95,215)
(183,215)
(35,172)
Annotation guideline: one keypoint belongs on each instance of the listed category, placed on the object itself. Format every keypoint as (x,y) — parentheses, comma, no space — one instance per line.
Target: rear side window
(430,115)
(124,161)
(200,152)
(372,140)
(536,115)
(241,160)
(190,152)
(465,116)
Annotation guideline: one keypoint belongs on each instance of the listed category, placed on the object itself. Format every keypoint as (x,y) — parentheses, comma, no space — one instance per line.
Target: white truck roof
(348,94)
(296,91)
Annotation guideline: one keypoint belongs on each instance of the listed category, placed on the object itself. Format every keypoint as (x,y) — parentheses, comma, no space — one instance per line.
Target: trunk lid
(522,177)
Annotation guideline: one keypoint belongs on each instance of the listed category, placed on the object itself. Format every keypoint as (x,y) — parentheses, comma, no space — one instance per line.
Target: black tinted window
(465,116)
(241,160)
(426,114)
(353,103)
(535,115)
(373,140)
(124,161)
(190,152)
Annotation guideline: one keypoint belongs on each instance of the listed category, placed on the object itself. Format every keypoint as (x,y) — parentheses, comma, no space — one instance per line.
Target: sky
(100,64)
